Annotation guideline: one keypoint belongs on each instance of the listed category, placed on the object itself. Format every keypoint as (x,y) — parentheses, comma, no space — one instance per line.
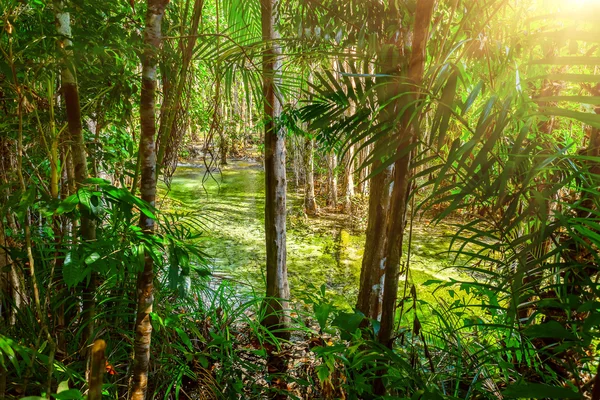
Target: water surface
(321,250)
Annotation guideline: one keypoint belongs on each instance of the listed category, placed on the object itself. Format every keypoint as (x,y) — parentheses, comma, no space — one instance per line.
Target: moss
(319,250)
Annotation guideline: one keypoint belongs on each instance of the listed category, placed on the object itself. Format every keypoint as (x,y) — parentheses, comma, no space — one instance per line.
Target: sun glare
(581,3)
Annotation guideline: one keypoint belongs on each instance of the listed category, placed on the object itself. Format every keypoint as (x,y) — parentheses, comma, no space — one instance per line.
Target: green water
(320,250)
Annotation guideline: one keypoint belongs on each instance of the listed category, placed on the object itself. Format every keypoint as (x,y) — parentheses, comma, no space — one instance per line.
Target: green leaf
(348,323)
(430,282)
(472,96)
(322,372)
(68,395)
(6,349)
(92,258)
(184,338)
(322,312)
(539,391)
(550,329)
(68,204)
(575,99)
(586,118)
(73,271)
(568,61)
(85,197)
(95,181)
(576,78)
(63,386)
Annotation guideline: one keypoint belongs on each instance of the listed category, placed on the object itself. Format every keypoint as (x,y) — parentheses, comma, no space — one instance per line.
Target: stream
(320,250)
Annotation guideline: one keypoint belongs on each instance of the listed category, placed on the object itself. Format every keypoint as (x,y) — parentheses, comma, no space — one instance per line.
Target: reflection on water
(320,251)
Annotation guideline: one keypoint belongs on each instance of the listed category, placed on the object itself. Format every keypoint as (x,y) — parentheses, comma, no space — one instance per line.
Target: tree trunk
(310,203)
(370,294)
(13,278)
(223,142)
(11,294)
(70,94)
(98,364)
(363,184)
(399,199)
(373,263)
(276,316)
(349,180)
(145,284)
(332,195)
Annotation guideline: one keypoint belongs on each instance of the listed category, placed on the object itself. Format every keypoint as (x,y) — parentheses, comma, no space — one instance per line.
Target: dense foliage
(494,130)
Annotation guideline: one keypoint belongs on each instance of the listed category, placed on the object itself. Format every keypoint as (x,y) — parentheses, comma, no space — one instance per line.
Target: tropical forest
(299,199)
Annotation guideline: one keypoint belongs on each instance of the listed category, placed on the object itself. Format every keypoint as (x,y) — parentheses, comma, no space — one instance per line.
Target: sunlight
(579,5)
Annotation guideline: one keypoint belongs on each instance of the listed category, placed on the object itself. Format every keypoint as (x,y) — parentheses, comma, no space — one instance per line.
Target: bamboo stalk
(97,370)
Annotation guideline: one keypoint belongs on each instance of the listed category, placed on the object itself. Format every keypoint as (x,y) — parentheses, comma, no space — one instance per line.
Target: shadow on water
(320,250)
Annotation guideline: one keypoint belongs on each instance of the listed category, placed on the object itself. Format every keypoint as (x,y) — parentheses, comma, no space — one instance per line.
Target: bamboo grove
(479,115)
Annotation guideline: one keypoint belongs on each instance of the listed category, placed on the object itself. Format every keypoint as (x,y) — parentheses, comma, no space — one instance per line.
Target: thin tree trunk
(223,141)
(363,171)
(14,277)
(349,180)
(332,195)
(98,364)
(310,203)
(276,316)
(349,165)
(145,283)
(399,199)
(78,154)
(13,292)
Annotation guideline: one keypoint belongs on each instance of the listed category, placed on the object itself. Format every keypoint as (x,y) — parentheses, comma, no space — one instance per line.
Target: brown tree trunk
(373,263)
(98,364)
(70,94)
(363,171)
(173,100)
(13,278)
(370,294)
(276,316)
(145,283)
(11,286)
(399,199)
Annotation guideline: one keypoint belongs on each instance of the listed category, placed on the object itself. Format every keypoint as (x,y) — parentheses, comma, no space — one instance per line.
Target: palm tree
(145,283)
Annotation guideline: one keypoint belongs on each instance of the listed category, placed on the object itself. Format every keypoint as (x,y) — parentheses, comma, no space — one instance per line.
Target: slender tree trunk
(363,172)
(223,141)
(332,196)
(349,165)
(98,364)
(145,283)
(310,203)
(12,293)
(173,100)
(399,199)
(275,178)
(14,277)
(349,180)
(70,94)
